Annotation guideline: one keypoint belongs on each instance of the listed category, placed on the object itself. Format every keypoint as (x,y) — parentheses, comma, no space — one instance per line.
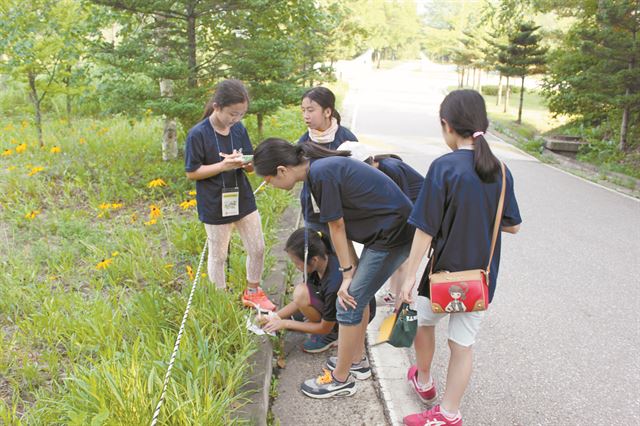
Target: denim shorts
(374,268)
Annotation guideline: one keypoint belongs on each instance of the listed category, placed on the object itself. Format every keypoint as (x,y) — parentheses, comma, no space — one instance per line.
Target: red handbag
(465,291)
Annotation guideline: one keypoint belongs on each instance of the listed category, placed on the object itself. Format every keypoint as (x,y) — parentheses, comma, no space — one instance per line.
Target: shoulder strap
(496,224)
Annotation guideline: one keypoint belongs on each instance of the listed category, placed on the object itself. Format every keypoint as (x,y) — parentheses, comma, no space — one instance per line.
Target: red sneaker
(427,396)
(432,417)
(257,299)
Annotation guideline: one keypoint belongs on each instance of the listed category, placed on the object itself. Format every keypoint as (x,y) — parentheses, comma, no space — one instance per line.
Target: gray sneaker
(325,386)
(360,371)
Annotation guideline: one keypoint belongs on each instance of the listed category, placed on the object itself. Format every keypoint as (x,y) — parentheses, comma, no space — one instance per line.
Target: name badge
(230,202)
(314,205)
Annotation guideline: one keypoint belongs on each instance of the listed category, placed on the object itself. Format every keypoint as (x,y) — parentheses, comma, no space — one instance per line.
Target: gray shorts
(463,326)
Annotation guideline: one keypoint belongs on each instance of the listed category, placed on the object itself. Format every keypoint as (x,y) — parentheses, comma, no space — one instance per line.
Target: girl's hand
(248,166)
(274,324)
(405,292)
(231,161)
(344,298)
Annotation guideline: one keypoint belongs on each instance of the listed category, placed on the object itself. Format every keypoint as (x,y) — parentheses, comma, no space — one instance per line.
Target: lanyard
(215,135)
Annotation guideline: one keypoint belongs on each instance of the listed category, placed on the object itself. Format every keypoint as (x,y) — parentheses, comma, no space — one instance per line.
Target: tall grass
(85,344)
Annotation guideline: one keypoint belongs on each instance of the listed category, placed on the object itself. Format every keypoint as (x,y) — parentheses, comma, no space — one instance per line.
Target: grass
(92,291)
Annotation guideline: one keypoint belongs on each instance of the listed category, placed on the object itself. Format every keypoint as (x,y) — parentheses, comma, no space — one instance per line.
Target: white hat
(358,150)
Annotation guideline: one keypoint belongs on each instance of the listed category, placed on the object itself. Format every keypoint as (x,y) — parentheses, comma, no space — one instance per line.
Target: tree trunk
(473,80)
(461,77)
(499,90)
(379,59)
(624,126)
(519,121)
(479,84)
(468,74)
(170,133)
(67,83)
(506,95)
(191,47)
(260,120)
(36,105)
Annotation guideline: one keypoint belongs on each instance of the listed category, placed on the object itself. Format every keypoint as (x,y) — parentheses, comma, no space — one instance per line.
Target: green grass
(81,345)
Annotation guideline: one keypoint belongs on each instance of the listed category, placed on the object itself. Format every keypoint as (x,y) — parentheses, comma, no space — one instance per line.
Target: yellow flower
(14,141)
(115,253)
(101,214)
(169,266)
(55,150)
(156,182)
(7,152)
(82,141)
(35,170)
(186,204)
(32,214)
(11,168)
(116,206)
(21,148)
(9,127)
(134,218)
(154,212)
(151,222)
(203,275)
(104,206)
(192,193)
(190,272)
(25,124)
(104,264)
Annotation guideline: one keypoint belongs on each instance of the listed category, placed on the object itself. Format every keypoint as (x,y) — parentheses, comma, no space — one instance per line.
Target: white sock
(448,414)
(422,386)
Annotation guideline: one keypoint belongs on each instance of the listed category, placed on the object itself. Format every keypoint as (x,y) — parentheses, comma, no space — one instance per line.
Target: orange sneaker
(257,299)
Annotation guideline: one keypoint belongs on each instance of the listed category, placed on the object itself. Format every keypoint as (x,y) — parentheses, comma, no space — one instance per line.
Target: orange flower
(21,148)
(154,212)
(186,204)
(7,152)
(190,272)
(156,182)
(55,150)
(104,264)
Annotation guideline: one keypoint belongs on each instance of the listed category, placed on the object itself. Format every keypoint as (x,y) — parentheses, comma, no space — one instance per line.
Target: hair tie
(476,134)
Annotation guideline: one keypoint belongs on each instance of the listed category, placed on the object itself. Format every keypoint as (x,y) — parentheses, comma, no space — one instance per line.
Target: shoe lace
(326,378)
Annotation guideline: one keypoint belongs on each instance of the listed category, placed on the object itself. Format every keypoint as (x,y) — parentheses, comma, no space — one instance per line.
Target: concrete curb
(258,383)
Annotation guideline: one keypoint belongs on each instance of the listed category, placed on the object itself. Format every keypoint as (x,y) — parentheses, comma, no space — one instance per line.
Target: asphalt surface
(560,344)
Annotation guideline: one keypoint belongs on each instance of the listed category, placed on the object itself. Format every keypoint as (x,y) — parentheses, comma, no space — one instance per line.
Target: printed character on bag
(457,293)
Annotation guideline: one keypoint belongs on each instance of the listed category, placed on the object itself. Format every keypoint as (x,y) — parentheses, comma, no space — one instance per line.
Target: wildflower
(101,214)
(35,170)
(32,214)
(155,212)
(7,152)
(169,266)
(55,149)
(24,124)
(21,148)
(190,272)
(203,275)
(11,168)
(82,141)
(192,193)
(151,222)
(116,206)
(115,254)
(104,206)
(133,218)
(186,204)
(156,182)
(13,141)
(9,127)
(104,264)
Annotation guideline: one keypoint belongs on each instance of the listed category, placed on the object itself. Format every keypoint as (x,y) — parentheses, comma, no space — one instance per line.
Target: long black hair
(274,152)
(380,157)
(466,114)
(325,98)
(227,92)
(319,244)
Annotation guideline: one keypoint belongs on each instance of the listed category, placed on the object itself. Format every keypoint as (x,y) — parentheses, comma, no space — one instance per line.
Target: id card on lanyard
(230,196)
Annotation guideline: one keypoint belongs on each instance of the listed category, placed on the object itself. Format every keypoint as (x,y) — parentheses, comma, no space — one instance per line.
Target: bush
(490,90)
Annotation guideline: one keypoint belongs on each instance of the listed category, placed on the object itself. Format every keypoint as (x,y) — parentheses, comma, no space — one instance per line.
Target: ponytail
(313,150)
(274,152)
(466,113)
(319,244)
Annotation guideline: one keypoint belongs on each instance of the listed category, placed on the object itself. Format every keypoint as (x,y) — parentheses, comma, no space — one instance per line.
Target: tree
(523,56)
(41,40)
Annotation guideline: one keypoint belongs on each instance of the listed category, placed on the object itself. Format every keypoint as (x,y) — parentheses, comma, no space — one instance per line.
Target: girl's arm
(419,246)
(511,229)
(322,327)
(229,162)
(340,243)
(290,309)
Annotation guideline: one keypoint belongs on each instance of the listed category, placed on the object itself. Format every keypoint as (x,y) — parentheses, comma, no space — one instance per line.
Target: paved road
(561,342)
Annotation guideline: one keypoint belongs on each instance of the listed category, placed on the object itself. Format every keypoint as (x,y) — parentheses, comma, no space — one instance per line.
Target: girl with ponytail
(357,203)
(316,297)
(454,216)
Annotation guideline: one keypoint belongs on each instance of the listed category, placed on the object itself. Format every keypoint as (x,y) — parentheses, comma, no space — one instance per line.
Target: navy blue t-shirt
(374,209)
(326,289)
(405,176)
(201,149)
(343,134)
(458,210)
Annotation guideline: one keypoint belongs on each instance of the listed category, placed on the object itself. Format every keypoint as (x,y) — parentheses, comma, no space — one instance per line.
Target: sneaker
(389,299)
(326,386)
(258,300)
(361,370)
(427,396)
(432,417)
(317,343)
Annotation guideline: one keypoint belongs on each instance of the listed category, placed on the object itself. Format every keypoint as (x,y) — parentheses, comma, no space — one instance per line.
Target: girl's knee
(301,295)
(459,348)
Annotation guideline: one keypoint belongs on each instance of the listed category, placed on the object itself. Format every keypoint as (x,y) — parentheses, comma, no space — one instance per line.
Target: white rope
(167,376)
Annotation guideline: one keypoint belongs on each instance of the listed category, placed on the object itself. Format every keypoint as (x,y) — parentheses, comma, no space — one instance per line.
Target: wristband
(347,269)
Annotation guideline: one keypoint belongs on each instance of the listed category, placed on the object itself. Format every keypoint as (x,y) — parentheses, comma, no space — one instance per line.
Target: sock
(424,386)
(251,290)
(336,380)
(449,415)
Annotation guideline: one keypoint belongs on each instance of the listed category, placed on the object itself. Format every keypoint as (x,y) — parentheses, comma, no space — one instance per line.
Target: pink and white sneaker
(432,417)
(427,396)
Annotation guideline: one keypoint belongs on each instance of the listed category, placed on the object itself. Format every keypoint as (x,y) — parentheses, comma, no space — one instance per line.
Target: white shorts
(463,326)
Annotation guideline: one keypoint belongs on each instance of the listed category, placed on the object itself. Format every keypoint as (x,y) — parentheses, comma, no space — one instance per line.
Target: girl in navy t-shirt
(454,215)
(214,159)
(358,203)
(323,127)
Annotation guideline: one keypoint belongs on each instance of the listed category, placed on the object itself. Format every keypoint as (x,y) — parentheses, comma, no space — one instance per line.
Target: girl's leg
(425,345)
(303,303)
(360,352)
(458,375)
(218,237)
(250,230)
